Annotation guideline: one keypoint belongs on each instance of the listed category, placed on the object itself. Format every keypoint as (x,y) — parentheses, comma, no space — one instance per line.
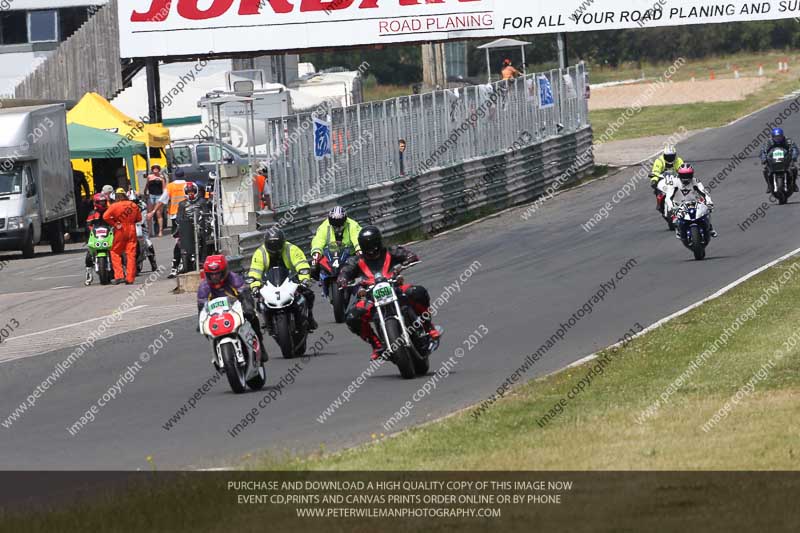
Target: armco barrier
(445,197)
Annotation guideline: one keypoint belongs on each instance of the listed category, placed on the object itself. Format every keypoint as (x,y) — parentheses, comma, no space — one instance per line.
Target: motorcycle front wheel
(103,270)
(234,373)
(339,303)
(697,244)
(283,335)
(780,193)
(401,355)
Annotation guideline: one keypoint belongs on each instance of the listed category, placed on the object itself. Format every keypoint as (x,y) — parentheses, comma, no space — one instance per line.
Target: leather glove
(306,283)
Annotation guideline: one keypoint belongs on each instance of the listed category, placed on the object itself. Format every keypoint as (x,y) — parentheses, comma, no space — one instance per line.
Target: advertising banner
(163,28)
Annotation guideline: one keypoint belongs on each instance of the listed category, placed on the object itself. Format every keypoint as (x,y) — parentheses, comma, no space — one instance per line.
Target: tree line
(401,65)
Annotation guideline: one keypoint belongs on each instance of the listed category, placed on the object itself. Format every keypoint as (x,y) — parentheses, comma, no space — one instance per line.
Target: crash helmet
(370,241)
(670,153)
(686,174)
(191,191)
(778,137)
(337,217)
(215,270)
(274,241)
(100,202)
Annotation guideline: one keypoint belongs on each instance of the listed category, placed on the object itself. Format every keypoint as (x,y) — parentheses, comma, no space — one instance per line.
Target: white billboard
(159,28)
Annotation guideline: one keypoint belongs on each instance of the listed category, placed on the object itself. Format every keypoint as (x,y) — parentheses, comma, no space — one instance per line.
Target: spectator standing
(176,195)
(264,189)
(156,186)
(402,149)
(509,72)
(82,193)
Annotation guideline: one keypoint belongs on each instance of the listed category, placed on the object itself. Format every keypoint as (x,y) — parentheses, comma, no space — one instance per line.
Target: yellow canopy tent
(95,111)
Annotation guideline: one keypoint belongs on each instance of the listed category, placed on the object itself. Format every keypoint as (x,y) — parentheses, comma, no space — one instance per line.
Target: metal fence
(441,128)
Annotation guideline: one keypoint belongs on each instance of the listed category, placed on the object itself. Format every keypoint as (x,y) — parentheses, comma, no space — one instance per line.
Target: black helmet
(371,242)
(275,239)
(337,217)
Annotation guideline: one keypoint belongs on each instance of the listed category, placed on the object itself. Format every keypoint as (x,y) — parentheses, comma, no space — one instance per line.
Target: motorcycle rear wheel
(401,356)
(234,373)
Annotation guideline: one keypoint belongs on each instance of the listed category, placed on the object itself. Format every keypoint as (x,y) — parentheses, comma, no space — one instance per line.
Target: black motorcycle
(779,168)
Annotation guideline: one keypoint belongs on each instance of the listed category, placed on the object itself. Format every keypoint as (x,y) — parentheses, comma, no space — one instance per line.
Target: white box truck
(37,193)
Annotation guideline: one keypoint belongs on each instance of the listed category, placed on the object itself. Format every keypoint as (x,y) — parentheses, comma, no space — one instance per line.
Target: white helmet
(670,153)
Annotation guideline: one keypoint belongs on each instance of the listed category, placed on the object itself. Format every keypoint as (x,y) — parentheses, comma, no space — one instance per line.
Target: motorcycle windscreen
(277,274)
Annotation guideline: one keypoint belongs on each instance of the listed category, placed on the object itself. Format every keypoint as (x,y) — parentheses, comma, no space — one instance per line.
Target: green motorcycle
(100,240)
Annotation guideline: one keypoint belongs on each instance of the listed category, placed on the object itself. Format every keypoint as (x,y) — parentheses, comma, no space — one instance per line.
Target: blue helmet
(777,136)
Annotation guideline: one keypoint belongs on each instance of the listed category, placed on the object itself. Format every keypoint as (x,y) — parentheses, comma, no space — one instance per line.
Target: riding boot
(768,179)
(377,346)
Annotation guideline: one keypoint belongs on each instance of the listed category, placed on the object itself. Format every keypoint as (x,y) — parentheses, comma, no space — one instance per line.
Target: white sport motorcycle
(285,312)
(237,351)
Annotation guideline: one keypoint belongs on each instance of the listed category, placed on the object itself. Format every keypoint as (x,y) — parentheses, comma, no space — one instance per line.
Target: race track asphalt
(533,276)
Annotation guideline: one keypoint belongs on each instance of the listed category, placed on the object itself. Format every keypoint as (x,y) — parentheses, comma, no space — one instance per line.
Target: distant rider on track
(690,189)
(669,160)
(779,139)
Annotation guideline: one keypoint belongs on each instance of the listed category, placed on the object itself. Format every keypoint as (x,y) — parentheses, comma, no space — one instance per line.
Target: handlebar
(396,271)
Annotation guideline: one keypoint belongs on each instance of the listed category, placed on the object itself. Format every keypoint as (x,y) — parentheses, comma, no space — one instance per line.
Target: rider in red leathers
(376,258)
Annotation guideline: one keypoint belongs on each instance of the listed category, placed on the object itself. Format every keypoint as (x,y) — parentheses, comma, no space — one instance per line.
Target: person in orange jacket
(123,215)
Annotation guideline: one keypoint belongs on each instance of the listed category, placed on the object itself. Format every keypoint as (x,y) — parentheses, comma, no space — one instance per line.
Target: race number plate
(778,155)
(218,305)
(383,293)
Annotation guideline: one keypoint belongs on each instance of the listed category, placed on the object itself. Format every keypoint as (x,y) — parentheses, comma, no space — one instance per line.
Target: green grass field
(723,66)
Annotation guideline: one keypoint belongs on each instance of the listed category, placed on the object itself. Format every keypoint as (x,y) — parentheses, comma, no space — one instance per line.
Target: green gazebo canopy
(91,143)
